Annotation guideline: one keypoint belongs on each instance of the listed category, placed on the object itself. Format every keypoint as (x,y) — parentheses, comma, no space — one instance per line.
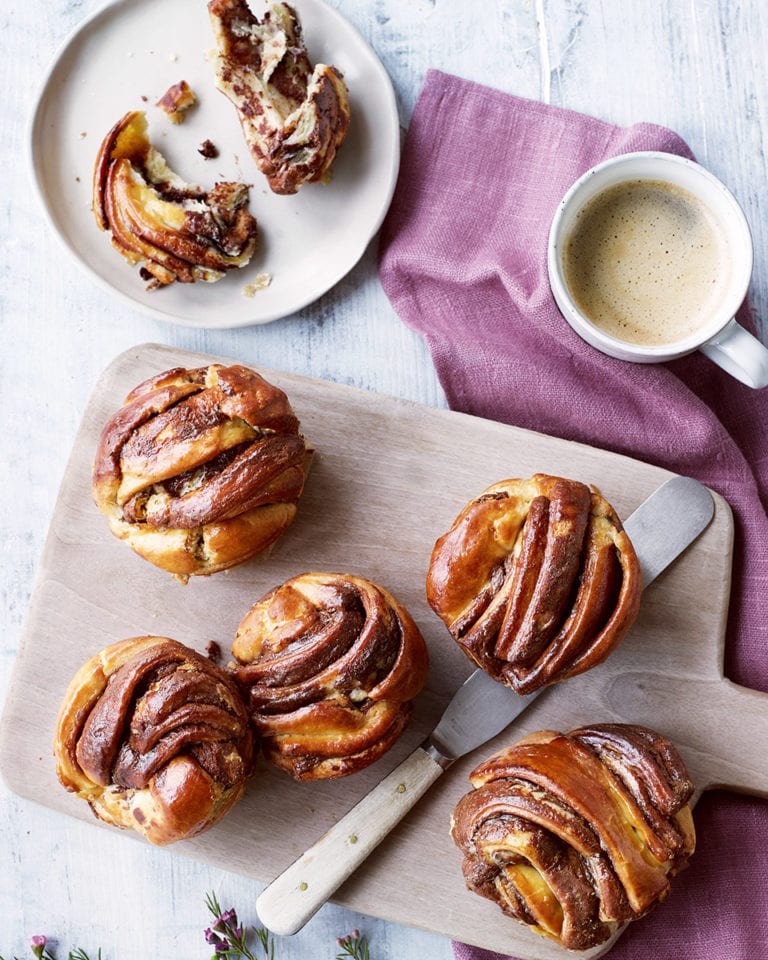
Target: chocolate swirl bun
(155,737)
(536,580)
(294,117)
(201,469)
(574,834)
(177,230)
(330,663)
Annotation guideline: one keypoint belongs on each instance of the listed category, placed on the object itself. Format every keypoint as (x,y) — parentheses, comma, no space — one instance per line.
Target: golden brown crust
(201,469)
(155,737)
(330,664)
(574,834)
(536,580)
(178,231)
(294,118)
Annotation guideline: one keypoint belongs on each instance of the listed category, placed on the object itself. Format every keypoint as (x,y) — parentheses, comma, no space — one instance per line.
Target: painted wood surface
(697,67)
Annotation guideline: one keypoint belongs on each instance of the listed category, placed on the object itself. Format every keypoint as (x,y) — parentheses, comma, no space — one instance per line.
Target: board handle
(724,723)
(738,730)
(297,894)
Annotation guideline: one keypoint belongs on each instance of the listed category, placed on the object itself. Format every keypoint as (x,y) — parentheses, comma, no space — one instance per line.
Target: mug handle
(740,354)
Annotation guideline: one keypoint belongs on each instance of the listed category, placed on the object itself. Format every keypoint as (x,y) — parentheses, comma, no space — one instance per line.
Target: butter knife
(660,530)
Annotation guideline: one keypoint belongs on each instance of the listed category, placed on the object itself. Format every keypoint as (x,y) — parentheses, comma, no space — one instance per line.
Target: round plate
(124,58)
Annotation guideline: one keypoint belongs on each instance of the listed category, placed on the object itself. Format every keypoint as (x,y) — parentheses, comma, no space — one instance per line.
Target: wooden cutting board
(388,478)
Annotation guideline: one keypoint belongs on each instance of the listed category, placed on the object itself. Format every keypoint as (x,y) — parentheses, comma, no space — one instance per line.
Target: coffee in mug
(649,258)
(646,261)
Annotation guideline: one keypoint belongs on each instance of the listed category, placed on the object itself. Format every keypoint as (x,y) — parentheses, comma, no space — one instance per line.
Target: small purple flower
(225,921)
(221,944)
(38,943)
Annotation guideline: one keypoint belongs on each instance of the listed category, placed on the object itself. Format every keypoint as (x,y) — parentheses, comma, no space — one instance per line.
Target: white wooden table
(699,68)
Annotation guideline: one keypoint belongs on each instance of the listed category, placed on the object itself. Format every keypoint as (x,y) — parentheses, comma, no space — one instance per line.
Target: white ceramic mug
(722,339)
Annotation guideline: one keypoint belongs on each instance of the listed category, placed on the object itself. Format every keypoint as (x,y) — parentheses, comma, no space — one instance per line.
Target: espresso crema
(646,262)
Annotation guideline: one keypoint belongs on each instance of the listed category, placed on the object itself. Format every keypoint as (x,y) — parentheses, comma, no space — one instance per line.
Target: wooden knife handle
(298,893)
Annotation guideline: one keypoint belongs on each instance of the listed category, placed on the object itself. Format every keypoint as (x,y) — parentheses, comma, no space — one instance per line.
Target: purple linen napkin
(463,261)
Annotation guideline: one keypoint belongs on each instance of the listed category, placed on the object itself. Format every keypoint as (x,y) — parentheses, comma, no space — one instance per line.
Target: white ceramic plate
(135,49)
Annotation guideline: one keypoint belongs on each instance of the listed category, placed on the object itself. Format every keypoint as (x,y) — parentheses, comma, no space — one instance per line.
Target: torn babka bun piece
(536,580)
(201,469)
(177,231)
(294,117)
(329,665)
(576,834)
(176,101)
(155,737)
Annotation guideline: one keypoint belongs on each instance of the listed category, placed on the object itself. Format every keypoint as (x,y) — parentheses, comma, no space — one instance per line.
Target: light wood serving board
(388,478)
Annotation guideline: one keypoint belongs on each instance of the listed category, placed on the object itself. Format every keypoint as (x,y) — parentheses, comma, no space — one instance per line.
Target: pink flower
(38,943)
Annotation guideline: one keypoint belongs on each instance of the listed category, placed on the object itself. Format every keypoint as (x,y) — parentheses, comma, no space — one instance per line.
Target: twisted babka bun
(176,230)
(155,737)
(201,469)
(330,664)
(536,580)
(294,117)
(574,834)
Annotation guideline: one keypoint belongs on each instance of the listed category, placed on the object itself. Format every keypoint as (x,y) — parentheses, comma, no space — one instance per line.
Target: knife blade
(660,529)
